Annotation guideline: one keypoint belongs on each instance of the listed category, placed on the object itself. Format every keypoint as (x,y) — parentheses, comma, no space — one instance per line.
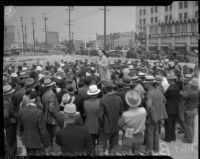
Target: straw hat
(149,79)
(135,79)
(70,110)
(158,79)
(93,90)
(194,82)
(23,75)
(48,82)
(171,76)
(38,68)
(7,89)
(133,98)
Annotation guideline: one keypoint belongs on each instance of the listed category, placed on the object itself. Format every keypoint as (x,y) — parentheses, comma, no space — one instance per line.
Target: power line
(22,34)
(45,27)
(86,15)
(33,22)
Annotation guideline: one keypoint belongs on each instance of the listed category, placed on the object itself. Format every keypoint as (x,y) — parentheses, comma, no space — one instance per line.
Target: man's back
(111,108)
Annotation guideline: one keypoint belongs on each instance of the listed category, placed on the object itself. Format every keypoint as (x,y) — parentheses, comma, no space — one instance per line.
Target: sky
(86,21)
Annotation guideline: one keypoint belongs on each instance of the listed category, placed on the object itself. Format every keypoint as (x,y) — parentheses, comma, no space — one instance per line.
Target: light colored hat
(133,98)
(194,82)
(7,89)
(158,79)
(171,76)
(131,67)
(48,82)
(24,68)
(93,90)
(129,62)
(135,79)
(141,74)
(13,74)
(38,68)
(40,76)
(149,79)
(66,98)
(70,109)
(60,69)
(188,75)
(23,75)
(87,74)
(167,60)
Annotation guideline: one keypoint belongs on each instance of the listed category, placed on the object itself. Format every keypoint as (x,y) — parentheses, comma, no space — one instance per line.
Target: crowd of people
(81,106)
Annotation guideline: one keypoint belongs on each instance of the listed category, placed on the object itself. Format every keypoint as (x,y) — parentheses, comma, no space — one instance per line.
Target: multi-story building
(52,39)
(9,36)
(116,40)
(168,27)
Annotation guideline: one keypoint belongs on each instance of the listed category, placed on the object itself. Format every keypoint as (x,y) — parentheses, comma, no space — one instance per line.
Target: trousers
(189,126)
(34,152)
(152,137)
(169,125)
(11,140)
(112,138)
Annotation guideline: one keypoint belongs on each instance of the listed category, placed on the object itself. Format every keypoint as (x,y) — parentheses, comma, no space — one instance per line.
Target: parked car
(182,56)
(152,55)
(94,52)
(131,54)
(15,51)
(115,53)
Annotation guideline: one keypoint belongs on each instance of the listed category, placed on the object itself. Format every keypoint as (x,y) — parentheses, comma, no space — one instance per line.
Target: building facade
(168,27)
(116,40)
(9,36)
(52,39)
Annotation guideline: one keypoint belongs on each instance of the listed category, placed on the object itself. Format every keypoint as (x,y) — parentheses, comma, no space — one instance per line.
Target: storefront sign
(173,35)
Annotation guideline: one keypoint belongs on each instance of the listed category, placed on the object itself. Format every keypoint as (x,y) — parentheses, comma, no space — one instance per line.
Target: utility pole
(70,47)
(22,35)
(45,28)
(25,38)
(72,40)
(33,22)
(104,26)
(18,34)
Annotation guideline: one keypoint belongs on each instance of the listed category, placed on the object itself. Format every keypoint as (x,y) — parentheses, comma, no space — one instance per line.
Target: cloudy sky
(87,21)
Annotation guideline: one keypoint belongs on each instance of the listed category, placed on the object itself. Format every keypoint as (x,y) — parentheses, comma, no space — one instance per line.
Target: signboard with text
(173,35)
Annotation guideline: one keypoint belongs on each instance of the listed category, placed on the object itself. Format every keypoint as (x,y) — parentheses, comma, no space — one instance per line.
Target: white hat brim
(131,105)
(50,84)
(9,92)
(193,84)
(97,92)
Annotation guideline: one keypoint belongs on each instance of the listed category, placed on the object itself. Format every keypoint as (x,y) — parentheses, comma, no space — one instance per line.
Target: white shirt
(165,84)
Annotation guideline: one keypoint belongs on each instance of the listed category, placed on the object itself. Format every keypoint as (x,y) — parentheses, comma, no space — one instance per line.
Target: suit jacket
(10,112)
(172,96)
(33,127)
(121,94)
(111,109)
(51,106)
(74,139)
(18,96)
(155,106)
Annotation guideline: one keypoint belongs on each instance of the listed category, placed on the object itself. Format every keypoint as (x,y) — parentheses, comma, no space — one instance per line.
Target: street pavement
(176,149)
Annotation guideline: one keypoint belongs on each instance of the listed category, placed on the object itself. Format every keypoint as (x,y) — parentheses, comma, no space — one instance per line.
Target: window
(156,30)
(177,28)
(166,8)
(185,15)
(170,7)
(156,19)
(151,19)
(184,28)
(180,5)
(140,12)
(196,14)
(151,29)
(163,29)
(170,17)
(166,18)
(144,21)
(194,27)
(169,28)
(144,11)
(185,4)
(140,21)
(156,9)
(180,16)
(151,10)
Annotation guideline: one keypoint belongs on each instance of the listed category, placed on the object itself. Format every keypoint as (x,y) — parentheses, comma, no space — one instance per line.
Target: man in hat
(191,105)
(33,127)
(51,110)
(132,122)
(74,138)
(172,108)
(155,107)
(91,112)
(111,109)
(10,120)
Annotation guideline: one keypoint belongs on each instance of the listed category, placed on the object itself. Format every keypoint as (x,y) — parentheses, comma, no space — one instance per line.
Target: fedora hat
(171,76)
(141,74)
(188,75)
(70,110)
(23,75)
(126,81)
(133,98)
(7,89)
(93,90)
(135,79)
(38,68)
(149,79)
(194,82)
(158,79)
(48,82)
(30,83)
(108,84)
